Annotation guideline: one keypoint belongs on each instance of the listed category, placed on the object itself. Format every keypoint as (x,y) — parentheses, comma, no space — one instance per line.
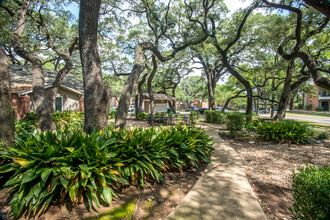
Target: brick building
(321,100)
(69,96)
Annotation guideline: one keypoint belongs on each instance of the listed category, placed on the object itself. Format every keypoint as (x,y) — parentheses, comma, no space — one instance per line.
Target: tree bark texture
(140,90)
(97,96)
(286,93)
(6,111)
(150,92)
(38,82)
(125,96)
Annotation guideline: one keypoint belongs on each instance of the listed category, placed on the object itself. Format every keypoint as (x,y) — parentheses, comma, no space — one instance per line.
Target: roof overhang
(46,87)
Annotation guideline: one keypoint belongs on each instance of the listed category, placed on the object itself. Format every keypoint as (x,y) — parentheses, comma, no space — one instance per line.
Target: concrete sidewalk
(223,191)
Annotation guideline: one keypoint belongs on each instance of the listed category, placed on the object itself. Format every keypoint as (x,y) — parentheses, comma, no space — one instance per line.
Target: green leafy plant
(311,191)
(142,116)
(323,135)
(29,123)
(50,167)
(194,115)
(308,107)
(112,114)
(285,131)
(213,116)
(74,119)
(319,109)
(235,121)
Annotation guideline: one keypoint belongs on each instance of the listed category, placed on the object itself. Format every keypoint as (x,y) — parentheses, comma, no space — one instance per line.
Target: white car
(220,108)
(114,108)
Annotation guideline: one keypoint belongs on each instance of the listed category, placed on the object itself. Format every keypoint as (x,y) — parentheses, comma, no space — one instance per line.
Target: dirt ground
(269,166)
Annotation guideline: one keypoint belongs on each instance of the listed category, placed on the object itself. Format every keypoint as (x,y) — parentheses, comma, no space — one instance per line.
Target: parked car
(264,111)
(114,108)
(219,109)
(192,108)
(131,108)
(202,110)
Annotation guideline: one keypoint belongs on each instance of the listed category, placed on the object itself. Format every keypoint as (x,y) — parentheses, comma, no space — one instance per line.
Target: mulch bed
(269,166)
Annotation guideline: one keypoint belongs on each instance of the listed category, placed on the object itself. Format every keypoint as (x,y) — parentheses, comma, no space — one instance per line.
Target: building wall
(21,104)
(312,100)
(71,101)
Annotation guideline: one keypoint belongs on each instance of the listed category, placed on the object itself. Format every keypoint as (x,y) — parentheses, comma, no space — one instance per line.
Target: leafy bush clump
(112,114)
(311,191)
(213,116)
(29,123)
(235,121)
(50,167)
(285,131)
(308,107)
(194,115)
(68,118)
(319,109)
(323,135)
(142,116)
(159,114)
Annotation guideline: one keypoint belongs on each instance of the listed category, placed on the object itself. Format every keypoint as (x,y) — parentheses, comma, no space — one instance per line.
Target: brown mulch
(269,166)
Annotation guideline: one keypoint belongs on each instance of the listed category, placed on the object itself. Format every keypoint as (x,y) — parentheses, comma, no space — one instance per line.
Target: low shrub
(29,123)
(194,115)
(235,121)
(308,107)
(159,114)
(50,167)
(311,191)
(68,118)
(112,114)
(213,116)
(285,131)
(323,135)
(142,116)
(300,106)
(319,109)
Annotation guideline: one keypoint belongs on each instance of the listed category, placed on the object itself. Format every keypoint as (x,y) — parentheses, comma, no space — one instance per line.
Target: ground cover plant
(311,191)
(213,116)
(235,121)
(284,131)
(51,167)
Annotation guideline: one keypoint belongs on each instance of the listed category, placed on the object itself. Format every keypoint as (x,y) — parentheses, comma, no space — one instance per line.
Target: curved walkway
(223,191)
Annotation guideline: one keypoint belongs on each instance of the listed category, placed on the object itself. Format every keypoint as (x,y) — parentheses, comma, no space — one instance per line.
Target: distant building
(321,100)
(69,96)
(162,102)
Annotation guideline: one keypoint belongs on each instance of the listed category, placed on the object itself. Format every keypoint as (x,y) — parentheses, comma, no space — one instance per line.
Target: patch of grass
(319,126)
(121,213)
(312,114)
(149,205)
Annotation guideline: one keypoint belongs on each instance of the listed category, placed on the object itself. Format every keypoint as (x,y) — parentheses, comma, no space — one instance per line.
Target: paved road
(323,120)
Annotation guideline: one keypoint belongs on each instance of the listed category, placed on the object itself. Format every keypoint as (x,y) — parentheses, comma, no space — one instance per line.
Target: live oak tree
(27,41)
(198,22)
(308,24)
(6,112)
(97,95)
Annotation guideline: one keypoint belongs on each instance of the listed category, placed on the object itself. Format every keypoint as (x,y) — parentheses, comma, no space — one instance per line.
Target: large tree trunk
(246,84)
(174,101)
(38,82)
(140,91)
(125,96)
(273,97)
(210,88)
(286,93)
(6,110)
(97,96)
(150,92)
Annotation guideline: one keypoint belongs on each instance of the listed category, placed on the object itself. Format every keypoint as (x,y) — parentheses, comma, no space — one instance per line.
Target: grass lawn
(316,125)
(312,114)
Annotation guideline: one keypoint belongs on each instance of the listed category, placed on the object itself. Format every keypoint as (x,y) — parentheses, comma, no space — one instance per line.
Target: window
(59,103)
